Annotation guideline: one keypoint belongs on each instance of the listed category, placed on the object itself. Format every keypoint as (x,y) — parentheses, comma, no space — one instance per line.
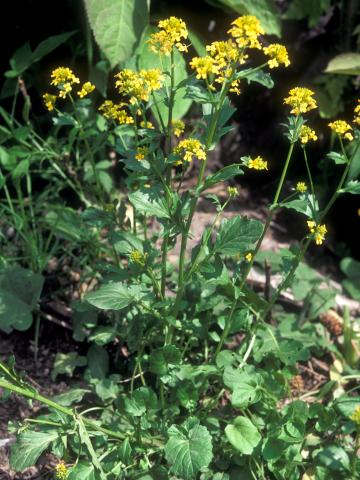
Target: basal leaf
(150,203)
(243,435)
(188,450)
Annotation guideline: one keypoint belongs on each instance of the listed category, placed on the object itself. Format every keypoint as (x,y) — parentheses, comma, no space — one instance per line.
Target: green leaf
(353,186)
(245,394)
(189,449)
(345,64)
(237,235)
(20,291)
(117,26)
(74,395)
(334,457)
(162,359)
(243,435)
(291,351)
(21,169)
(222,175)
(264,10)
(351,268)
(338,158)
(28,448)
(98,361)
(50,44)
(257,76)
(82,471)
(65,364)
(103,335)
(142,400)
(313,10)
(347,405)
(21,60)
(115,296)
(151,203)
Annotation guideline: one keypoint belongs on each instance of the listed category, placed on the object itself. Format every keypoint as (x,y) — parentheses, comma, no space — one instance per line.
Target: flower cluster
(146,124)
(232,191)
(278,55)
(138,85)
(306,134)
(178,127)
(318,231)
(189,148)
(61,471)
(64,79)
(138,257)
(225,52)
(257,163)
(301,187)
(341,128)
(141,153)
(246,30)
(204,66)
(301,100)
(49,101)
(87,88)
(171,32)
(113,111)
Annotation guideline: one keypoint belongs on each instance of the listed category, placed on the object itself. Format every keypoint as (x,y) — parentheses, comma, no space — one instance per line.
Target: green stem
(309,174)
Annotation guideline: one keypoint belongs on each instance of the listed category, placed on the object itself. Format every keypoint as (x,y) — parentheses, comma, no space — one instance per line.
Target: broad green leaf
(347,405)
(65,364)
(163,358)
(338,158)
(49,44)
(351,268)
(103,335)
(243,435)
(117,26)
(21,169)
(74,395)
(226,173)
(151,203)
(197,43)
(188,449)
(98,361)
(107,389)
(345,64)
(67,223)
(291,351)
(20,291)
(273,448)
(237,235)
(114,296)
(245,394)
(142,400)
(353,186)
(20,61)
(82,471)
(335,458)
(28,448)
(257,76)
(264,10)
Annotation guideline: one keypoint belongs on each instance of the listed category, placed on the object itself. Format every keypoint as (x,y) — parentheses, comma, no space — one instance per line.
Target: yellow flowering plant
(168,395)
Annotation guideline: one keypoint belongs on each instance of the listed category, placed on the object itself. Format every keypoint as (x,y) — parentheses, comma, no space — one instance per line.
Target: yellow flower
(87,88)
(355,417)
(318,231)
(63,78)
(301,187)
(146,124)
(141,153)
(138,85)
(49,101)
(301,100)
(249,257)
(178,127)
(226,52)
(357,113)
(246,30)
(278,54)
(257,163)
(115,112)
(307,134)
(61,471)
(138,257)
(342,129)
(171,31)
(189,148)
(204,66)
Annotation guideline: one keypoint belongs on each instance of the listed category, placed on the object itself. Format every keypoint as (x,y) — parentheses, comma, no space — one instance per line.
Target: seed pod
(333,322)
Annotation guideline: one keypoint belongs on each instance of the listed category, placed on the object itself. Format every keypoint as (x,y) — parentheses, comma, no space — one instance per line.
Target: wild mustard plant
(190,407)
